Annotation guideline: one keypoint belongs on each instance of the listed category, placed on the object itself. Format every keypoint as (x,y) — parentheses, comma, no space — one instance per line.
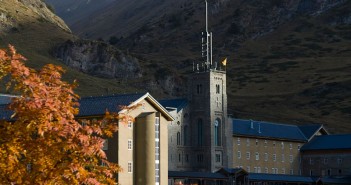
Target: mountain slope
(288,60)
(34,30)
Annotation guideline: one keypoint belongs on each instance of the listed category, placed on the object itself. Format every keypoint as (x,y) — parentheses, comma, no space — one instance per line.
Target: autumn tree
(42,142)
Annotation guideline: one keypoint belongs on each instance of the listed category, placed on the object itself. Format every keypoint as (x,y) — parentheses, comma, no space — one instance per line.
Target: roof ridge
(113,95)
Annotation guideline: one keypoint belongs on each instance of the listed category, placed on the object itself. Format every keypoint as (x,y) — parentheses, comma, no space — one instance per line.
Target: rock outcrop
(98,59)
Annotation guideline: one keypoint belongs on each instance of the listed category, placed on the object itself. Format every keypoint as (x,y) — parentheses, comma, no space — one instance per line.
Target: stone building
(327,155)
(263,147)
(140,147)
(199,138)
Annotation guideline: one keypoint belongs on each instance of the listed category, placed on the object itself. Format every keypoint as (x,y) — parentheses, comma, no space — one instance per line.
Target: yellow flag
(224,62)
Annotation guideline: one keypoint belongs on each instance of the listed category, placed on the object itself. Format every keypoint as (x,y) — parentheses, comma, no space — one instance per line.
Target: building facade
(328,155)
(263,147)
(140,146)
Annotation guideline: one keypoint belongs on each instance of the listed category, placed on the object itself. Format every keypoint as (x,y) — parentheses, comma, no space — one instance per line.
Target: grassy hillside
(33,37)
(287,62)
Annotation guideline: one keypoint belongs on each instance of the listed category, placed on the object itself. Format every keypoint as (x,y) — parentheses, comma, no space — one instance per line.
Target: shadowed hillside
(288,60)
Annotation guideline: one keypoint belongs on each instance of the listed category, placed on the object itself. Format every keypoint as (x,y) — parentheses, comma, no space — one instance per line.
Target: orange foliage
(44,144)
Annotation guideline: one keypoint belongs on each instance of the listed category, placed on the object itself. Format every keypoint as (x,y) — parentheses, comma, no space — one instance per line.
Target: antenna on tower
(208,44)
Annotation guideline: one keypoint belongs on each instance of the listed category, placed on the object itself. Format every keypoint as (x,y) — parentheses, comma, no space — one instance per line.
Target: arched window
(178,138)
(217,132)
(199,132)
(185,135)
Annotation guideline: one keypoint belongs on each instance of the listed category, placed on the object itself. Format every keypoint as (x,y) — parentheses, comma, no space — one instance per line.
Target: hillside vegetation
(288,60)
(34,30)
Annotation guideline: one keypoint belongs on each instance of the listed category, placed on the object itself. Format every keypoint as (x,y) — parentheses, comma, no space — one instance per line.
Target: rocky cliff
(98,59)
(15,13)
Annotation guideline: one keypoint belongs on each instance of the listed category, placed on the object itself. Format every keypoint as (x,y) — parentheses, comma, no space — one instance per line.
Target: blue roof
(174,103)
(195,175)
(92,106)
(267,130)
(280,178)
(310,130)
(328,142)
(5,98)
(5,113)
(337,180)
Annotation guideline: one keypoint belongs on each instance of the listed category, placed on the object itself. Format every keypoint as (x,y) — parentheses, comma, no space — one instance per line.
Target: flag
(224,62)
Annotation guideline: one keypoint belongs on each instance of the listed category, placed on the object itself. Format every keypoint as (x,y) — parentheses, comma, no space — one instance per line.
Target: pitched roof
(310,130)
(195,175)
(174,103)
(280,177)
(6,98)
(328,142)
(267,130)
(97,105)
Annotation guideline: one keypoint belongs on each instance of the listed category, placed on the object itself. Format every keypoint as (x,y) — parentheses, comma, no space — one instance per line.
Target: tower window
(178,138)
(185,135)
(199,132)
(199,89)
(218,88)
(217,132)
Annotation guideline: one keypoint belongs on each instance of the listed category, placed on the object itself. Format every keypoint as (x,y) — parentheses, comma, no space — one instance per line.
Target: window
(218,158)
(311,172)
(255,170)
(179,157)
(265,143)
(291,171)
(274,157)
(339,160)
(283,157)
(325,160)
(265,170)
(291,158)
(178,138)
(199,89)
(105,146)
(282,145)
(265,156)
(329,172)
(257,156)
(199,132)
(238,141)
(291,146)
(185,135)
(256,142)
(298,147)
(248,168)
(130,124)
(157,150)
(130,144)
(258,169)
(200,158)
(239,155)
(247,142)
(247,155)
(186,158)
(130,167)
(217,132)
(283,170)
(273,143)
(218,88)
(311,161)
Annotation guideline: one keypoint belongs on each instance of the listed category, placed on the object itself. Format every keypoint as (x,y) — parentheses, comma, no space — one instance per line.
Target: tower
(210,129)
